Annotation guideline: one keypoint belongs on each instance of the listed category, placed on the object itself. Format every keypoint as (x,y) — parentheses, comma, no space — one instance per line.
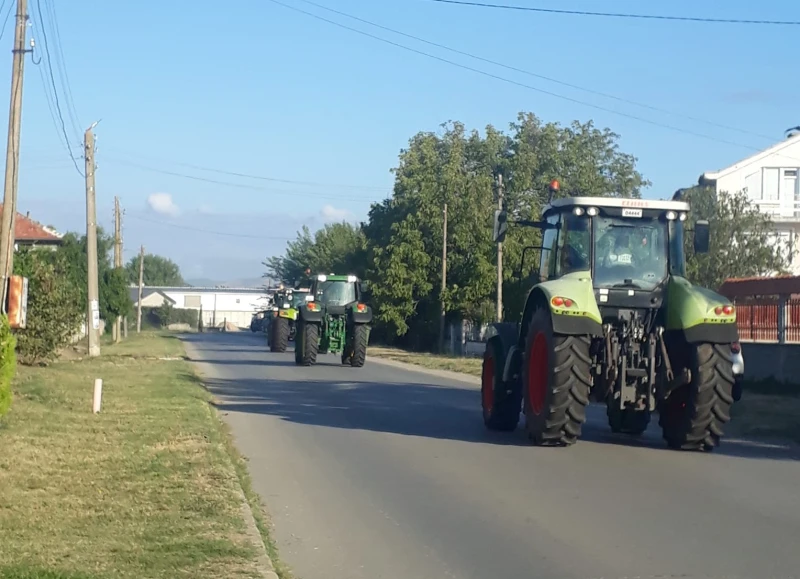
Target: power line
(514,82)
(209,231)
(265,178)
(620,14)
(55,89)
(230,184)
(62,68)
(536,75)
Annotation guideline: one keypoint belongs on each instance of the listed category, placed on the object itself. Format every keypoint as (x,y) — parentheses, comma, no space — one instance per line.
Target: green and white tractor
(283,325)
(611,317)
(333,320)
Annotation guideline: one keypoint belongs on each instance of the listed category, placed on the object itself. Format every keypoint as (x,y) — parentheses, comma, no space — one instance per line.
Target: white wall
(225,305)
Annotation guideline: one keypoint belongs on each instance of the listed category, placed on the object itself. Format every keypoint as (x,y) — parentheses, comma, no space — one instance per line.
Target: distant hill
(255,282)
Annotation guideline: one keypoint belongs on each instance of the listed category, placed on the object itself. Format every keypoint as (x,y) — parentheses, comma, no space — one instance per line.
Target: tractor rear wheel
(360,340)
(501,401)
(556,379)
(626,421)
(693,415)
(280,334)
(307,346)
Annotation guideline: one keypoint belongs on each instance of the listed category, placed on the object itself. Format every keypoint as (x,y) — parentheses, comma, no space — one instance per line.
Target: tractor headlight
(671,216)
(578,211)
(592,211)
(682,217)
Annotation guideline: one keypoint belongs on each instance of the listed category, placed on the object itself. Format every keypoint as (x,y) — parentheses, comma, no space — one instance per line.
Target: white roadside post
(98,395)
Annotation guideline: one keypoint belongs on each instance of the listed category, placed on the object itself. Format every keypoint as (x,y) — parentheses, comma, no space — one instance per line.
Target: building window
(770,187)
(753,185)
(191,301)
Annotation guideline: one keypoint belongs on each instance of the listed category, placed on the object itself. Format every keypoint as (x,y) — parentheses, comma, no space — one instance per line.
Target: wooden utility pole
(500,199)
(93,308)
(7,222)
(444,282)
(141,290)
(117,260)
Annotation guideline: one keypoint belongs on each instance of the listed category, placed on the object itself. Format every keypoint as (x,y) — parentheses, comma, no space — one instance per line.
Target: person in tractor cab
(305,280)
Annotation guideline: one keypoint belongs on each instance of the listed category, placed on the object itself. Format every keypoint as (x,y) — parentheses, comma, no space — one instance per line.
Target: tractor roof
(616,202)
(334,277)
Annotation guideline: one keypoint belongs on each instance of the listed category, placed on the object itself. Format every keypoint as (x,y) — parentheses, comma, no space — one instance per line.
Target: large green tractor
(283,325)
(612,318)
(333,320)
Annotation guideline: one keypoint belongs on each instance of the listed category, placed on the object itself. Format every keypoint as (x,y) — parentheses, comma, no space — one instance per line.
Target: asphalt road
(381,472)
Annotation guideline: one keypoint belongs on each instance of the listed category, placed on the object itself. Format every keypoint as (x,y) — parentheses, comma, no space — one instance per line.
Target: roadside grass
(471,366)
(767,410)
(148,488)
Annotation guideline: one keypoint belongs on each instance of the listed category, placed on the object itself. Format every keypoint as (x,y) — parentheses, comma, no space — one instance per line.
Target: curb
(264,563)
(450,375)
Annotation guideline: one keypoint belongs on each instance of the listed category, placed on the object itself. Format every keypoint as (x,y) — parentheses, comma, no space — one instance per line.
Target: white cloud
(330,213)
(162,203)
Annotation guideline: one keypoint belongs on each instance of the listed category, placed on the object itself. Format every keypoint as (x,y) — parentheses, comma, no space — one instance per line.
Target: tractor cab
(336,292)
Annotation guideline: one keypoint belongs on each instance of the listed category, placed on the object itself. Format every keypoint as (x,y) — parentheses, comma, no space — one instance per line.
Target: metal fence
(769,320)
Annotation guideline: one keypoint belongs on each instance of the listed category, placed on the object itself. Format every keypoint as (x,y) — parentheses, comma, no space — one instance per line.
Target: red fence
(758,320)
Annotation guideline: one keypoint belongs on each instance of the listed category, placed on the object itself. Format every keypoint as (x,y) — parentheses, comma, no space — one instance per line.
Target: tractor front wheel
(693,415)
(307,346)
(280,335)
(360,339)
(556,379)
(501,401)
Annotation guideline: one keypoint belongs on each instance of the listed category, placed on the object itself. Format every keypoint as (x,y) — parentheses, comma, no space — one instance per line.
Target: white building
(234,305)
(770,180)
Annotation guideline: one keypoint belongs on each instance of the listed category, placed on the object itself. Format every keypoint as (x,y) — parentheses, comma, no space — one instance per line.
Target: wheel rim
(487,383)
(537,374)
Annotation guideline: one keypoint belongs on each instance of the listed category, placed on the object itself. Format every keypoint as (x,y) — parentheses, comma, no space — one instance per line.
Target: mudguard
(580,317)
(691,312)
(290,314)
(311,316)
(359,317)
(507,335)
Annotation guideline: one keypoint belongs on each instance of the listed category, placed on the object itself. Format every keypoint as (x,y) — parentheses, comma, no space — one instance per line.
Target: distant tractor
(611,317)
(333,320)
(283,325)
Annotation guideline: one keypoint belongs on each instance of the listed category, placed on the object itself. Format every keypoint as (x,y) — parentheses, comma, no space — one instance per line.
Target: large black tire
(693,416)
(306,348)
(501,401)
(360,342)
(556,379)
(626,421)
(280,335)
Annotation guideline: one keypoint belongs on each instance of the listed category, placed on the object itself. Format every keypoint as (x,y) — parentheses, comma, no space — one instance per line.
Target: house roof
(147,291)
(760,286)
(26,229)
(776,148)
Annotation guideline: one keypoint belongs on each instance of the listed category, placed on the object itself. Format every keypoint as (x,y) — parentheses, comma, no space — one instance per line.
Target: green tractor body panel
(695,311)
(576,287)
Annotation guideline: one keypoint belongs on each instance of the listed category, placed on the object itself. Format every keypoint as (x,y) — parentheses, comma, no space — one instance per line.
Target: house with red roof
(28,232)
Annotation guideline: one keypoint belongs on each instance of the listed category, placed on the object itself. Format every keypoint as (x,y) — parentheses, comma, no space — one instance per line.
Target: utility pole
(141,289)
(500,199)
(444,282)
(8,220)
(93,309)
(117,260)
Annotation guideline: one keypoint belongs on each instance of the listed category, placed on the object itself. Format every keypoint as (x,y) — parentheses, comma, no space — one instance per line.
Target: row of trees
(398,249)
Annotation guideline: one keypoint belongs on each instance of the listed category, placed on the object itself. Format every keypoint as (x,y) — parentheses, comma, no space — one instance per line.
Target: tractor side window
(574,244)
(677,258)
(547,263)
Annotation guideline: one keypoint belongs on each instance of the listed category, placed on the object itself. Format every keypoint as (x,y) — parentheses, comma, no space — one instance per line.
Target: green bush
(165,315)
(8,363)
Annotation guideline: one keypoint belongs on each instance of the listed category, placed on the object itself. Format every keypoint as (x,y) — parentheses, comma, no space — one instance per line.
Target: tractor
(333,320)
(611,318)
(283,326)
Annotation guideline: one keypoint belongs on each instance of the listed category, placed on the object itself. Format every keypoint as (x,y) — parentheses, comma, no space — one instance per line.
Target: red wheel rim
(537,374)
(487,383)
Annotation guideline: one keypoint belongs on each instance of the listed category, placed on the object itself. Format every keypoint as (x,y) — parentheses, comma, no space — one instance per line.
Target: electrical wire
(620,14)
(210,231)
(265,178)
(536,75)
(514,82)
(55,89)
(61,65)
(230,184)
(5,20)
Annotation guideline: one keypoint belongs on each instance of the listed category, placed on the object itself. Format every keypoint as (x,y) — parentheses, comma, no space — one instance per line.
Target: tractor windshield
(298,299)
(629,253)
(336,293)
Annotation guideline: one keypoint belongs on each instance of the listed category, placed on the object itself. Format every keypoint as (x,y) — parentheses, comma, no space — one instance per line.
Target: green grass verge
(148,488)
(471,366)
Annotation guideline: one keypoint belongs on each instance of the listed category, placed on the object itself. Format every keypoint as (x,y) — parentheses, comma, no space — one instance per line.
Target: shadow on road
(358,400)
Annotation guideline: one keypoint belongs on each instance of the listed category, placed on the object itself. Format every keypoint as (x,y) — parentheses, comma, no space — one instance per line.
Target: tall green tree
(158,271)
(742,243)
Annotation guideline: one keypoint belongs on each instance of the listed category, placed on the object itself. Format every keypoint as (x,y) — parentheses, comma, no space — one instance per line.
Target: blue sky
(260,89)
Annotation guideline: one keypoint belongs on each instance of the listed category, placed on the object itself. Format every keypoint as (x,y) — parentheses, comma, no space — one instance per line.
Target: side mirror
(362,287)
(702,236)
(309,297)
(500,226)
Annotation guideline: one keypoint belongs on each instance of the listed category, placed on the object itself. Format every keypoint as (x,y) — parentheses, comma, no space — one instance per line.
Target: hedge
(165,315)
(8,363)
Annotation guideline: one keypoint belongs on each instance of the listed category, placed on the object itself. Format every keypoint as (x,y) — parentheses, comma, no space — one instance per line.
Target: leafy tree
(158,271)
(742,239)
(55,305)
(115,299)
(336,248)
